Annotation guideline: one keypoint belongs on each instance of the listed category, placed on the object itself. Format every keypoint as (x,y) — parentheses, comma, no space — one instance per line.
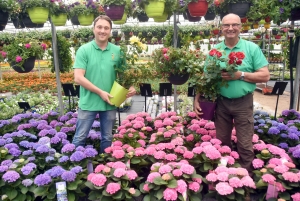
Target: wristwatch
(242,76)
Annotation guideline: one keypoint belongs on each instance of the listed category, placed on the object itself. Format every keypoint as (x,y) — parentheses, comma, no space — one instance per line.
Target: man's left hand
(131,92)
(234,76)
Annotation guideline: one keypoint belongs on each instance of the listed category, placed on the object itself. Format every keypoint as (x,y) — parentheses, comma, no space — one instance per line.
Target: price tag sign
(61,191)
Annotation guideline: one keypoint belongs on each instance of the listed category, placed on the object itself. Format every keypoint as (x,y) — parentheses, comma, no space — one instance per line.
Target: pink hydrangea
(98,179)
(259,147)
(155,166)
(248,181)
(281,169)
(142,143)
(90,176)
(180,149)
(224,150)
(189,138)
(275,161)
(158,123)
(119,172)
(139,152)
(188,155)
(187,168)
(257,163)
(223,176)
(99,168)
(242,171)
(118,164)
(194,127)
(255,138)
(118,154)
(210,125)
(212,177)
(170,194)
(296,197)
(164,169)
(160,146)
(268,178)
(213,155)
(169,146)
(159,155)
(131,174)
(142,135)
(216,141)
(177,172)
(212,133)
(150,150)
(112,188)
(235,182)
(202,131)
(230,160)
(181,186)
(290,176)
(194,186)
(198,180)
(146,188)
(177,141)
(206,138)
(192,114)
(167,134)
(152,176)
(171,157)
(224,188)
(18,59)
(27,46)
(138,125)
(197,150)
(290,165)
(117,143)
(235,155)
(231,170)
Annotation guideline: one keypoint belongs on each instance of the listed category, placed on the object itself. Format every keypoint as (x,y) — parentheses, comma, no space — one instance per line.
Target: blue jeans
(85,121)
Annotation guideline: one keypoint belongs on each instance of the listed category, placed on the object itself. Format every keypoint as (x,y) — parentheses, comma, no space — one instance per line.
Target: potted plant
(58,13)
(238,7)
(38,10)
(278,35)
(16,15)
(153,8)
(114,8)
(5,8)
(140,14)
(257,34)
(197,8)
(22,52)
(275,31)
(176,64)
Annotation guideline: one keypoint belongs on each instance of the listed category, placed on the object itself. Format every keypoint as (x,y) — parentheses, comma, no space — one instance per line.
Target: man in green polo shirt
(235,106)
(94,71)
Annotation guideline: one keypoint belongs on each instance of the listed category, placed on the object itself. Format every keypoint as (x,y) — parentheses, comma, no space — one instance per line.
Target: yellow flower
(20,44)
(134,39)
(131,191)
(166,177)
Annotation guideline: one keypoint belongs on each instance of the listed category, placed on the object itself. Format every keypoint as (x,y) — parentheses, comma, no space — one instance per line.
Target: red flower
(231,61)
(232,56)
(213,52)
(240,55)
(219,54)
(239,62)
(165,50)
(166,57)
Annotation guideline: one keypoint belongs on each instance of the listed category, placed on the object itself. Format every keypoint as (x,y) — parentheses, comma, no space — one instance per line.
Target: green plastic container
(119,94)
(38,15)
(59,20)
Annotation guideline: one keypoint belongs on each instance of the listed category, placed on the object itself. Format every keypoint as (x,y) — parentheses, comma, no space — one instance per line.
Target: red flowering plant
(113,181)
(2,56)
(208,80)
(172,181)
(229,183)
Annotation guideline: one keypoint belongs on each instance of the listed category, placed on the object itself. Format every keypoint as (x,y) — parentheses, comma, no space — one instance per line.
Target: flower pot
(178,79)
(198,9)
(258,36)
(74,20)
(18,23)
(206,32)
(255,26)
(209,15)
(155,8)
(244,19)
(85,20)
(115,12)
(119,94)
(29,24)
(239,8)
(143,17)
(59,20)
(215,31)
(162,18)
(27,66)
(191,18)
(3,17)
(267,25)
(277,37)
(38,15)
(274,32)
(122,21)
(295,14)
(208,109)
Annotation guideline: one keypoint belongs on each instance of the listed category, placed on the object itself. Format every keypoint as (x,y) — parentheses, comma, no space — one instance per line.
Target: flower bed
(169,157)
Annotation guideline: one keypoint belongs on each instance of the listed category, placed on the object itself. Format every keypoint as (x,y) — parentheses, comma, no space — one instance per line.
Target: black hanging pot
(178,79)
(74,20)
(2,27)
(18,23)
(191,18)
(29,24)
(206,32)
(239,8)
(115,33)
(210,15)
(274,32)
(3,17)
(295,14)
(28,65)
(143,17)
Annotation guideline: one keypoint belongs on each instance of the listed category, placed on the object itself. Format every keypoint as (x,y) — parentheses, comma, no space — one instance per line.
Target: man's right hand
(197,108)
(105,96)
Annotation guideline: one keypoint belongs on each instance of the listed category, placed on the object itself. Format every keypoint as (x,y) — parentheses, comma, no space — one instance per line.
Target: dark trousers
(237,112)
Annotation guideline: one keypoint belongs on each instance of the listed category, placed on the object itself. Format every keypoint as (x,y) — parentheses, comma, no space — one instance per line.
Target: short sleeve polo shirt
(254,60)
(99,66)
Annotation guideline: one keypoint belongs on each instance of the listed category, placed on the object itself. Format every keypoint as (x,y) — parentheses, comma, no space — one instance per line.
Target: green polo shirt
(99,69)
(254,60)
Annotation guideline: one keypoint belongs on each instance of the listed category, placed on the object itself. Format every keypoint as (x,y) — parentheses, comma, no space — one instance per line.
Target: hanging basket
(191,18)
(119,94)
(3,17)
(115,12)
(162,18)
(74,20)
(210,15)
(143,17)
(267,25)
(59,20)
(86,20)
(29,24)
(178,79)
(208,108)
(2,27)
(239,8)
(255,25)
(155,8)
(122,21)
(18,23)
(38,15)
(28,65)
(198,9)
(295,14)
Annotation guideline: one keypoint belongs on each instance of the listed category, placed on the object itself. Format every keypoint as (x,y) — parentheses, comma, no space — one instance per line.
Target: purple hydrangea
(5,122)
(11,176)
(49,158)
(68,176)
(61,135)
(31,158)
(283,145)
(11,145)
(42,149)
(56,171)
(32,165)
(80,148)
(3,168)
(52,131)
(63,159)
(68,148)
(261,121)
(296,153)
(55,140)
(96,124)
(7,162)
(43,133)
(75,115)
(64,118)
(94,135)
(53,113)
(58,124)
(53,123)
(90,152)
(76,169)
(26,170)
(260,131)
(9,140)
(71,121)
(283,135)
(66,129)
(27,182)
(273,131)
(36,115)
(64,141)
(77,156)
(27,153)
(293,136)
(15,152)
(2,142)
(42,180)
(44,116)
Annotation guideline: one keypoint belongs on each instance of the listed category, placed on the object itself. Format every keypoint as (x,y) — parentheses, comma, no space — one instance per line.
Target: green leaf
(207,166)
(261,183)
(135,161)
(172,183)
(39,191)
(118,195)
(159,181)
(285,196)
(72,186)
(12,194)
(95,195)
(240,191)
(146,198)
(24,190)
(159,195)
(195,198)
(71,197)
(89,185)
(21,197)
(105,198)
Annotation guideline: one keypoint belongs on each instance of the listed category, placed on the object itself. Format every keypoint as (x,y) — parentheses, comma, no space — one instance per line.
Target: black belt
(223,97)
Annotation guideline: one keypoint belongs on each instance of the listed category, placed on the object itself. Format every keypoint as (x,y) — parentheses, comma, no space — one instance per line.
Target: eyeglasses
(227,26)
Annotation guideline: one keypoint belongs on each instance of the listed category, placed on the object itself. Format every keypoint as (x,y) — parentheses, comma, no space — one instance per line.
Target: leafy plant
(34,3)
(7,5)
(57,7)
(114,2)
(91,7)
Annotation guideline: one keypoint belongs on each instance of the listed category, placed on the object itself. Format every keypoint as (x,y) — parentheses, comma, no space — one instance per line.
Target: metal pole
(175,38)
(0,73)
(291,70)
(56,66)
(297,81)
(39,69)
